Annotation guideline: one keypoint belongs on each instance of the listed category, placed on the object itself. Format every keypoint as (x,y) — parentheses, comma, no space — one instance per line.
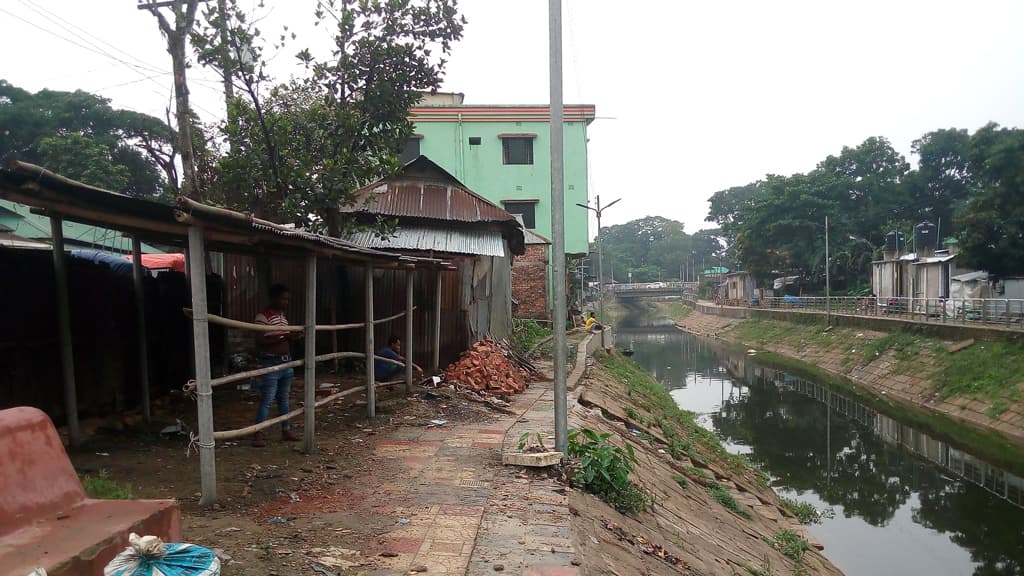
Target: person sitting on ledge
(592,324)
(383,371)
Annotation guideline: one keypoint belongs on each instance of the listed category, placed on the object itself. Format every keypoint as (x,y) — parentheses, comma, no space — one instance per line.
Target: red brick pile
(485,368)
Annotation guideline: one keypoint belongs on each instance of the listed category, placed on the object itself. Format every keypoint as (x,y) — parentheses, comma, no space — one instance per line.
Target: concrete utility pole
(177,40)
(558,223)
(600,250)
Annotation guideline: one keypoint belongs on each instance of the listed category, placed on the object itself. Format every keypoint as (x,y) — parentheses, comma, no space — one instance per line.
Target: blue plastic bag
(148,556)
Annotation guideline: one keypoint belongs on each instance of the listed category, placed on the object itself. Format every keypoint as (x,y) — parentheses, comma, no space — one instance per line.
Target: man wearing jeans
(274,349)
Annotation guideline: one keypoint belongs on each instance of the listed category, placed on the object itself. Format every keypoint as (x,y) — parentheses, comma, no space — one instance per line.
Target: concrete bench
(45,518)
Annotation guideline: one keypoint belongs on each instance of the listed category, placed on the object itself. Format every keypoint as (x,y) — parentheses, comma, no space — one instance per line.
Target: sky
(692,97)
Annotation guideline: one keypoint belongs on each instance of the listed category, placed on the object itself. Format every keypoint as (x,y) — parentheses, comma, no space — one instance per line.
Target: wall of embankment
(903,380)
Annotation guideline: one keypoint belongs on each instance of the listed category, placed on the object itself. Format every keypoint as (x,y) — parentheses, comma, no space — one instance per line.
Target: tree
(304,147)
(943,179)
(991,225)
(80,136)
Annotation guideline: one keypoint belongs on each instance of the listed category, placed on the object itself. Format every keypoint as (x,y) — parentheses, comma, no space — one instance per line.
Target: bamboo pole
(309,378)
(409,279)
(240,432)
(140,323)
(435,359)
(230,323)
(201,340)
(239,376)
(67,356)
(371,399)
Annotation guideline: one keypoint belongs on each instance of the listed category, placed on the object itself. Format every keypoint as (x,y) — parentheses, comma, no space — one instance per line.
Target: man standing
(382,370)
(274,349)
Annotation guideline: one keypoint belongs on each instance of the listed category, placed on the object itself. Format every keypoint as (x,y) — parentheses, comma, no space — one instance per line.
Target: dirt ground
(276,503)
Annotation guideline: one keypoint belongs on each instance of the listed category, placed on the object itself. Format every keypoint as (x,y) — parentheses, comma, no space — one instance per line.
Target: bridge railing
(1008,312)
(648,286)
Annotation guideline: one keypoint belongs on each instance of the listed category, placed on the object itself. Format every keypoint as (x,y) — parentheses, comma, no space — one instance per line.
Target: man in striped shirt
(274,349)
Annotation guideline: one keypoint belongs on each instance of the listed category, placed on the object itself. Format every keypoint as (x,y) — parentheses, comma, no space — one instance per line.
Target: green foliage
(805,512)
(905,346)
(80,136)
(527,333)
(991,371)
(634,416)
(603,469)
(300,149)
(722,495)
(102,487)
(699,472)
(790,544)
(524,440)
(655,248)
(682,481)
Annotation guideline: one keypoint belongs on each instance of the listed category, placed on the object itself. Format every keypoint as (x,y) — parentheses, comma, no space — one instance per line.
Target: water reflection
(905,502)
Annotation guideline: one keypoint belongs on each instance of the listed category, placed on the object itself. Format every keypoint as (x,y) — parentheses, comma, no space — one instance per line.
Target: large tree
(298,151)
(654,248)
(81,136)
(991,225)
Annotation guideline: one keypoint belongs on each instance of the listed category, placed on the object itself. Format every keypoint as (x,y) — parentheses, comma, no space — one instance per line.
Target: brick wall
(530,283)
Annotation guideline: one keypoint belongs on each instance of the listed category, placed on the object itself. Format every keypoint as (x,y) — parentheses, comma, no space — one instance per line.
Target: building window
(527,209)
(474,140)
(517,150)
(410,151)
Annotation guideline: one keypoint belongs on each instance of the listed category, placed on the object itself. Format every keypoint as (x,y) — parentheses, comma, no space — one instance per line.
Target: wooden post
(67,357)
(140,323)
(309,386)
(201,341)
(371,397)
(435,360)
(409,277)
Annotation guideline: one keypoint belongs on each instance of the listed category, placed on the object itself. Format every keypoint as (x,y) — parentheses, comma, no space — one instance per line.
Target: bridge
(651,290)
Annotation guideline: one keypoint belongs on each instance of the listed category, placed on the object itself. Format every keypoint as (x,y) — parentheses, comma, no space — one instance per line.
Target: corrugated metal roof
(425,190)
(534,238)
(427,239)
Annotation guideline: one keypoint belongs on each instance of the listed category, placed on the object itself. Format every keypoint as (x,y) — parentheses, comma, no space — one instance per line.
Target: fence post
(409,279)
(371,396)
(201,342)
(309,378)
(1007,302)
(435,359)
(140,324)
(67,357)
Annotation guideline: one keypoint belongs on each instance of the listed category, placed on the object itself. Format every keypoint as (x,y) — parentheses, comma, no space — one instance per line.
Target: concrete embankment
(966,389)
(713,513)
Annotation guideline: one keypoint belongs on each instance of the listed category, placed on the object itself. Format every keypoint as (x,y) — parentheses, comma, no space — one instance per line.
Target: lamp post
(600,248)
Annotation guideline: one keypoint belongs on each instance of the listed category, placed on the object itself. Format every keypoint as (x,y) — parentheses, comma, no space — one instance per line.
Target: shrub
(804,511)
(790,544)
(102,487)
(682,481)
(603,469)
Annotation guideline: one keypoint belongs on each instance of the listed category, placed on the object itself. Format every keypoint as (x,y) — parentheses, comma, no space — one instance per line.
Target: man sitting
(592,324)
(382,371)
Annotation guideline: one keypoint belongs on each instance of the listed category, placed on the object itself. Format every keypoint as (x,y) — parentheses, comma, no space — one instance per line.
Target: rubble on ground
(491,368)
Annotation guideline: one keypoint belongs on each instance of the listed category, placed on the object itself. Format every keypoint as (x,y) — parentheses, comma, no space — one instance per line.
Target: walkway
(473,515)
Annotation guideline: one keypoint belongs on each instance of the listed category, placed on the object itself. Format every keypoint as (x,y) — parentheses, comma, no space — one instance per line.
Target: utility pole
(600,249)
(177,40)
(557,112)
(828,283)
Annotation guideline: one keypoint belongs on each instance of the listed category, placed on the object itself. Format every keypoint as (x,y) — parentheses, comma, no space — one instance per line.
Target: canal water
(903,502)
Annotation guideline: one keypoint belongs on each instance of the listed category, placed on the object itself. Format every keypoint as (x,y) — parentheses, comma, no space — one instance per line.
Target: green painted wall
(480,167)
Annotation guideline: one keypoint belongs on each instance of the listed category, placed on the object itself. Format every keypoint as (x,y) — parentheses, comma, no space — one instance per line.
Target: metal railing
(1005,312)
(652,286)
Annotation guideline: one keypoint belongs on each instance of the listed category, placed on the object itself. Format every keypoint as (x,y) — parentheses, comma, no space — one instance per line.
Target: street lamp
(600,248)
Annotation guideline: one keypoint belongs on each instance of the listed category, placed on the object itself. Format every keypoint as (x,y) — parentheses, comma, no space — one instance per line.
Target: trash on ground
(280,520)
(438,422)
(149,556)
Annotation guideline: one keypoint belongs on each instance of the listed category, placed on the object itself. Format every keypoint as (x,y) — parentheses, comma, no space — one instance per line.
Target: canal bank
(903,501)
(712,512)
(968,390)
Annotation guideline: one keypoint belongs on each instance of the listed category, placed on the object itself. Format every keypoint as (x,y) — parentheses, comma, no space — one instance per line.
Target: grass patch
(991,371)
(603,469)
(790,544)
(722,495)
(102,487)
(682,481)
(699,472)
(673,310)
(905,346)
(805,512)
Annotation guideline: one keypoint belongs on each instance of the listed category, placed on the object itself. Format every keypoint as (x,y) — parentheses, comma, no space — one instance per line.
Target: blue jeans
(275,386)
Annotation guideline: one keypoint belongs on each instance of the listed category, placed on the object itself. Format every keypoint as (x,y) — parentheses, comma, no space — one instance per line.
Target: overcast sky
(692,97)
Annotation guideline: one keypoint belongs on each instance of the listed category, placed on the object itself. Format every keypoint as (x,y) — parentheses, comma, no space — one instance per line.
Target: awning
(162,261)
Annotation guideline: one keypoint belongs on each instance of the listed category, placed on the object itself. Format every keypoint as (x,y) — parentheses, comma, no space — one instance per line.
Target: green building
(502,152)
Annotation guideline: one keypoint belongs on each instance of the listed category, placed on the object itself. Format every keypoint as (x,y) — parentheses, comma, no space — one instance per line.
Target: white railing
(1007,312)
(648,286)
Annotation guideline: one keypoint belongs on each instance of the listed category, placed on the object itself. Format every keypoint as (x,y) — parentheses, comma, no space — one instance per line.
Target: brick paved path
(475,516)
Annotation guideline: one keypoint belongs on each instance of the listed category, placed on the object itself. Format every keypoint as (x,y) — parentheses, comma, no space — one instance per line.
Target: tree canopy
(81,136)
(970,186)
(298,150)
(655,248)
